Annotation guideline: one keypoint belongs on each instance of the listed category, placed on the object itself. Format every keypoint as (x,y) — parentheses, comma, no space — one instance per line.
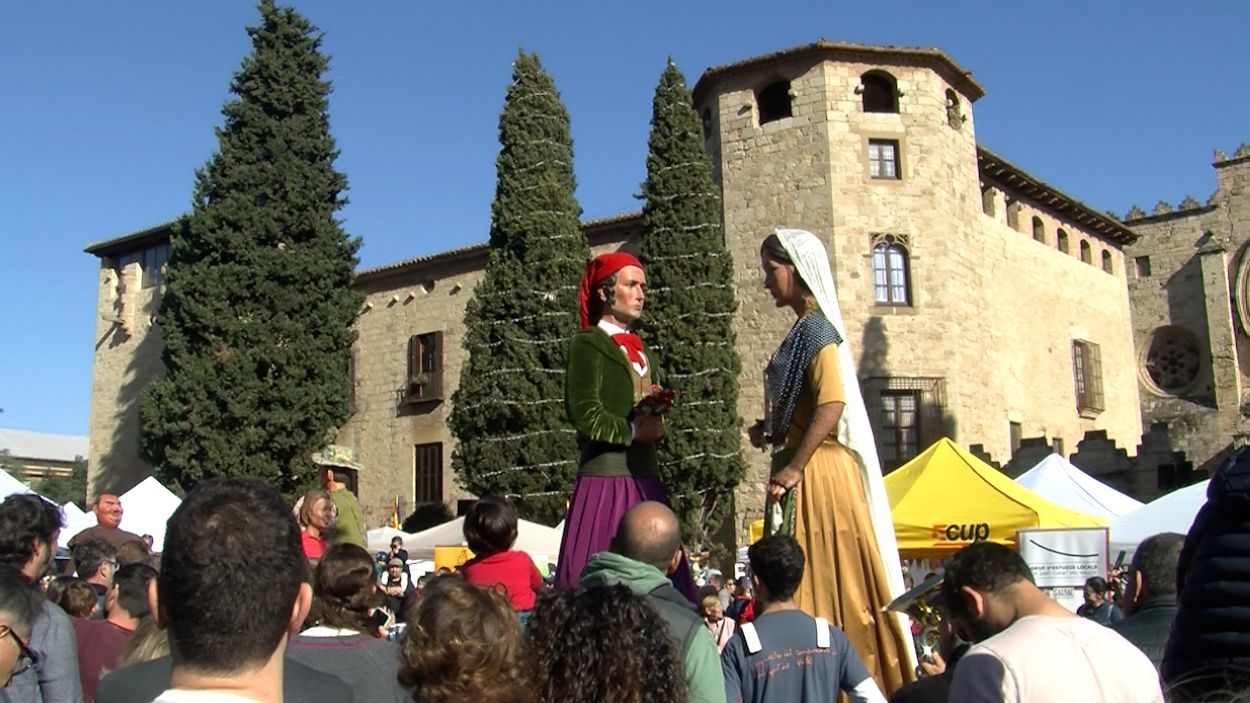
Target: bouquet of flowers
(658,402)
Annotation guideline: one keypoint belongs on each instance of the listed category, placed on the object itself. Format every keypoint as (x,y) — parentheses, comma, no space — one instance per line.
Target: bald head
(649,533)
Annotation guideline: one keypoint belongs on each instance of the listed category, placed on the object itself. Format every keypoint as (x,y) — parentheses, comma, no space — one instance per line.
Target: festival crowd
(252,599)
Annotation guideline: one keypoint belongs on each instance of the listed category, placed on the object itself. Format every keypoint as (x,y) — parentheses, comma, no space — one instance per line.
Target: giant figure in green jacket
(608,373)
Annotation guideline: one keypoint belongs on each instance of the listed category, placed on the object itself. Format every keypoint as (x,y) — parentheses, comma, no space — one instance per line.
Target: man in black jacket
(1150,594)
(1209,649)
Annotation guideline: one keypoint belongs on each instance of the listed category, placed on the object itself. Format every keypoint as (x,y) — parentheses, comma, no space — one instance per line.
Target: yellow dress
(844,580)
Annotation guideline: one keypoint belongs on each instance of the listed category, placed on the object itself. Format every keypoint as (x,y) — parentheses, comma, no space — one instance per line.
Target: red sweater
(515,571)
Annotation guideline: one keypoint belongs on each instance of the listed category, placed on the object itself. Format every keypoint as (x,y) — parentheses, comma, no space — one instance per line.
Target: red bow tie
(633,347)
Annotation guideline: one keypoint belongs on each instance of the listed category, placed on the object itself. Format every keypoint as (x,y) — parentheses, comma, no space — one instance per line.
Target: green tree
(689,320)
(258,303)
(513,438)
(64,489)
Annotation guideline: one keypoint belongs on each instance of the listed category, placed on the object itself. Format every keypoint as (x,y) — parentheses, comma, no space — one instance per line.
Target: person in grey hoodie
(645,550)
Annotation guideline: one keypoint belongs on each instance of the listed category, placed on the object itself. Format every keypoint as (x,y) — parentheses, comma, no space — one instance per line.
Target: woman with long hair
(825,487)
(341,635)
(462,644)
(601,644)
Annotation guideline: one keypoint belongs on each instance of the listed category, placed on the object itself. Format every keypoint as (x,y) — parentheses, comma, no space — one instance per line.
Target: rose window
(1173,360)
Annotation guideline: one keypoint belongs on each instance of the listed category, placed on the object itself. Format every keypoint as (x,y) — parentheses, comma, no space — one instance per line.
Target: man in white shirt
(1030,648)
(233,588)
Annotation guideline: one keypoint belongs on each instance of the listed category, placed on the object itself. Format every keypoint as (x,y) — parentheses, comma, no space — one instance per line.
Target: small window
(154,260)
(428,473)
(707,123)
(1087,374)
(1061,241)
(1015,433)
(1013,214)
(774,102)
(954,113)
(1039,230)
(883,159)
(900,427)
(880,92)
(987,201)
(425,368)
(890,271)
(1107,264)
(1142,266)
(1087,253)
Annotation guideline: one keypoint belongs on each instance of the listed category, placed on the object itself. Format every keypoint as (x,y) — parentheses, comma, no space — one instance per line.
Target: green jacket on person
(700,662)
(601,389)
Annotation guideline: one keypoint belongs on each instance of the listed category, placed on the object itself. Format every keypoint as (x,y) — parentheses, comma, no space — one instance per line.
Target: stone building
(34,456)
(1189,284)
(982,303)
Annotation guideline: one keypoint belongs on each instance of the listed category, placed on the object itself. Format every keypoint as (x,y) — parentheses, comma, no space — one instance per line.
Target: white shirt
(612,329)
(1047,659)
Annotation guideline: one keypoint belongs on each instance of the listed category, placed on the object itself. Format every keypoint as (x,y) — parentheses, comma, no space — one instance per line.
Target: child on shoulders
(490,528)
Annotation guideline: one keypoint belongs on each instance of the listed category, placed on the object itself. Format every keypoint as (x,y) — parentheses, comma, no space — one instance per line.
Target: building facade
(982,304)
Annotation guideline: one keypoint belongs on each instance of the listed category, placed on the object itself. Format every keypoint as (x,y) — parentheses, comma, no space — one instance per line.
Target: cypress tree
(258,305)
(689,315)
(512,436)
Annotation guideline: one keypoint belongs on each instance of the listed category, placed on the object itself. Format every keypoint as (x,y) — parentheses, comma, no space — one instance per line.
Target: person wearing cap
(396,585)
(609,372)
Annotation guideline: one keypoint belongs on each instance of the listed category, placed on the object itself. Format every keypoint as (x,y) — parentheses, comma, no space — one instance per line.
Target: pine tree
(513,437)
(258,305)
(688,322)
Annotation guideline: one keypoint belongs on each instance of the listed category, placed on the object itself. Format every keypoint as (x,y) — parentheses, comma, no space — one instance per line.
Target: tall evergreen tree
(258,305)
(513,437)
(689,317)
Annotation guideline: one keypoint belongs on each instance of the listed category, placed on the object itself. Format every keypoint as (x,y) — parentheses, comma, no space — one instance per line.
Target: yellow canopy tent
(946,498)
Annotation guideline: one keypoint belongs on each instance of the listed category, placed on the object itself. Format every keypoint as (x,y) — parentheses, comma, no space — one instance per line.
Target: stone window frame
(769,105)
(1063,242)
(1087,251)
(954,110)
(1108,262)
(1087,378)
(885,244)
(1141,266)
(427,473)
(892,140)
(1039,230)
(424,380)
(1014,208)
(879,87)
(987,200)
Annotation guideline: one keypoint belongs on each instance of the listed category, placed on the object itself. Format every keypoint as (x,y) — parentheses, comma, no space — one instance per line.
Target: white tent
(539,541)
(379,538)
(72,511)
(10,485)
(146,508)
(1174,512)
(75,523)
(1057,480)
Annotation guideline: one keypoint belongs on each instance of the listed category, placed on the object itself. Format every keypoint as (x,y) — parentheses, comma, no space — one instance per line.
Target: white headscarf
(854,430)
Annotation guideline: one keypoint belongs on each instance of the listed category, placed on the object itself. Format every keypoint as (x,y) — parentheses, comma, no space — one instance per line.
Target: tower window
(1061,241)
(1107,264)
(773,102)
(1087,253)
(1039,230)
(883,159)
(891,283)
(880,92)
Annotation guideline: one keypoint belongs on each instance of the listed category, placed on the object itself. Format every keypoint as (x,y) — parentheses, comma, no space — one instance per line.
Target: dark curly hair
(344,588)
(462,643)
(24,518)
(602,644)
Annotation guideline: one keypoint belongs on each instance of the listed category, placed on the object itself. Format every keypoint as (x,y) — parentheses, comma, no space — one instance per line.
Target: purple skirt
(595,509)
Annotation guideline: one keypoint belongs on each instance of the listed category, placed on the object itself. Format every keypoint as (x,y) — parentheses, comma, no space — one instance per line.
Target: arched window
(1087,254)
(1107,265)
(1061,241)
(954,113)
(880,92)
(891,270)
(707,123)
(1039,230)
(773,101)
(1013,213)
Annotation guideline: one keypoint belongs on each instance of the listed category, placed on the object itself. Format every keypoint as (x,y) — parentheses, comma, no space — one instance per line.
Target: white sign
(1064,557)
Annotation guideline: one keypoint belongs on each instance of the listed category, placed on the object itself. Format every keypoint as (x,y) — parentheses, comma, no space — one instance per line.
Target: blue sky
(108,108)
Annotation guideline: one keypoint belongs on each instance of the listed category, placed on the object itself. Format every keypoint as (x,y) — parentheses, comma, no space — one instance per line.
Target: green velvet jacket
(601,388)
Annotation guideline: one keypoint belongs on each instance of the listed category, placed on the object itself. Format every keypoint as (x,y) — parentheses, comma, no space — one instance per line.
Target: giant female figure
(825,487)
